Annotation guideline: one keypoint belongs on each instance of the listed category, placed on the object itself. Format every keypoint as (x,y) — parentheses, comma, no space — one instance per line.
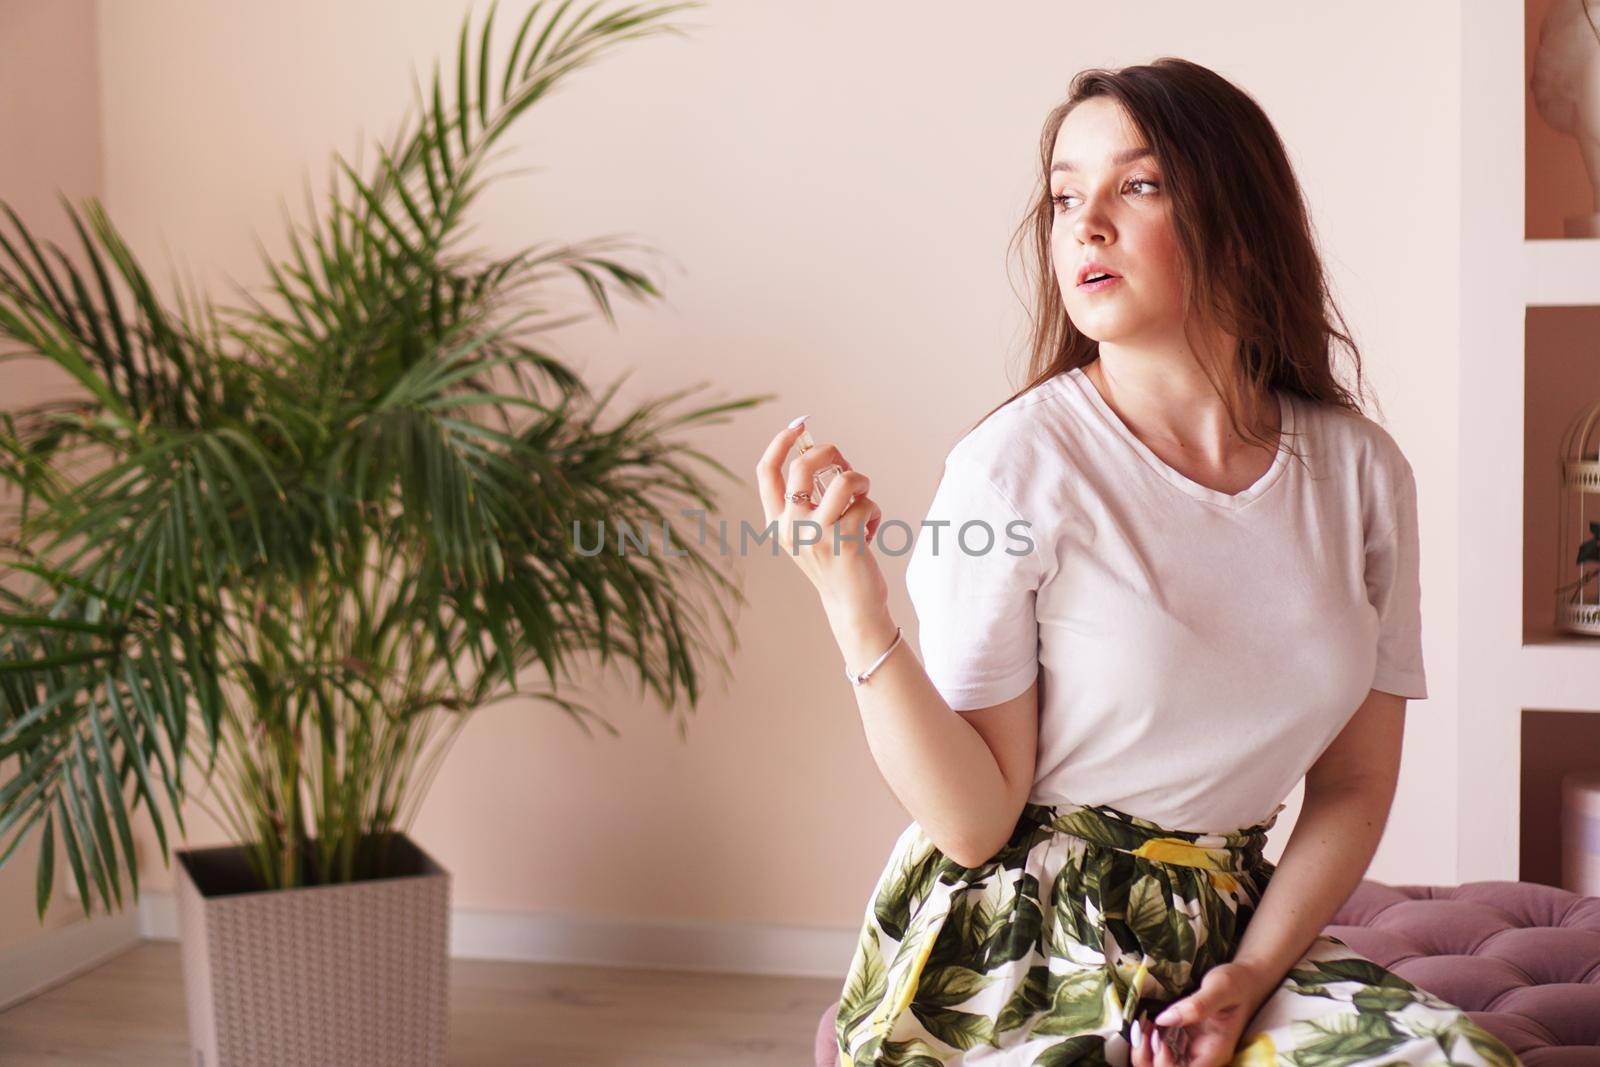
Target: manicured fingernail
(1167,1018)
(1136,1038)
(798,421)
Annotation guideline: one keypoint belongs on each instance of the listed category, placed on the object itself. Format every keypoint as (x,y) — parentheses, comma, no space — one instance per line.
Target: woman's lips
(1095,287)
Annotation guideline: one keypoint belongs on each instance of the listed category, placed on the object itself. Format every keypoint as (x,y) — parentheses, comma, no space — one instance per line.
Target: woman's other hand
(1203,1028)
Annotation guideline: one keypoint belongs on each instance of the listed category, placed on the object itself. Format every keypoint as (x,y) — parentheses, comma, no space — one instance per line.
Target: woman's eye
(1060,199)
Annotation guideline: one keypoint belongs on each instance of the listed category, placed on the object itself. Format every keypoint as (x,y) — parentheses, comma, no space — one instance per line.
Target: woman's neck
(1172,400)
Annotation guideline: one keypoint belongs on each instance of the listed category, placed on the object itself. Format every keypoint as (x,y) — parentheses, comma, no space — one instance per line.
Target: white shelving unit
(1501,673)
(1490,440)
(1560,675)
(1556,272)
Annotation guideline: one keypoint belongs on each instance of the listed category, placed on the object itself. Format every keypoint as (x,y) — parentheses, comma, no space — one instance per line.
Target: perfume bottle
(823,478)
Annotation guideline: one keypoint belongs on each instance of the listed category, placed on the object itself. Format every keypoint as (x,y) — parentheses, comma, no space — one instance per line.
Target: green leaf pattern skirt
(1088,918)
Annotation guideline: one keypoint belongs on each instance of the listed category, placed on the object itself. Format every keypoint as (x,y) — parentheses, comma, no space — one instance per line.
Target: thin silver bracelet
(860,679)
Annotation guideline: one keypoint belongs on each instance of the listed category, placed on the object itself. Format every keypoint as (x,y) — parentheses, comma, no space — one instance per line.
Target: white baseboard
(530,937)
(53,956)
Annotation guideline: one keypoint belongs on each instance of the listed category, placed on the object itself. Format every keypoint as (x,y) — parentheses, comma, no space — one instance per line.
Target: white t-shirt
(1196,651)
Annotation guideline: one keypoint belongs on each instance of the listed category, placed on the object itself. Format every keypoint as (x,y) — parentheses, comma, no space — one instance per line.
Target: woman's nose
(1091,223)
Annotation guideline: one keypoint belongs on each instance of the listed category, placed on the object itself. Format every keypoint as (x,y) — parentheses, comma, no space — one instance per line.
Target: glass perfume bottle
(823,478)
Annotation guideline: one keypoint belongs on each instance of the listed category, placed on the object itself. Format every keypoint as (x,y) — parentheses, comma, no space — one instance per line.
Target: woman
(1171,576)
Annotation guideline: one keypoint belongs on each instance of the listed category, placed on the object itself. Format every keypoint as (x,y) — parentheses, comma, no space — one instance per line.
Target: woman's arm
(1348,794)
(964,788)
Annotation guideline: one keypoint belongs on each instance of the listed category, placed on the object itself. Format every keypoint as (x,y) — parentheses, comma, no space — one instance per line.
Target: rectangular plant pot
(355,974)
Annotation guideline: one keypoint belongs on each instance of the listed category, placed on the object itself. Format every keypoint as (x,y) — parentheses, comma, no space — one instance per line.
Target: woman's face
(1110,206)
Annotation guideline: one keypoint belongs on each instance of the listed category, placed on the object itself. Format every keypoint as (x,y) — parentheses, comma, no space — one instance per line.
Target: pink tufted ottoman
(1522,959)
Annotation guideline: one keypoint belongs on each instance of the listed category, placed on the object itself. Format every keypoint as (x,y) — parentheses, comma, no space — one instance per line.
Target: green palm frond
(292,542)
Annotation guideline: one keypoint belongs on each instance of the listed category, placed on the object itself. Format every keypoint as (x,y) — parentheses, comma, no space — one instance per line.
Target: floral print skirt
(1089,918)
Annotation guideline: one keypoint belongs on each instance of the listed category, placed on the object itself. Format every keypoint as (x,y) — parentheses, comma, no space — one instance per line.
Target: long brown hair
(1250,260)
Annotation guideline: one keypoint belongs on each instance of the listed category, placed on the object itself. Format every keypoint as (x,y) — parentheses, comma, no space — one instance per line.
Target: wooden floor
(130,1010)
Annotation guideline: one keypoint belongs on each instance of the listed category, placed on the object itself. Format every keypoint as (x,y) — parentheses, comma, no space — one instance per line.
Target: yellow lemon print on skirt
(1178,851)
(1258,1052)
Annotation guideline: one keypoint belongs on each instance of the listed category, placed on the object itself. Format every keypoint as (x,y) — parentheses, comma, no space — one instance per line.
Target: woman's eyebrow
(1127,155)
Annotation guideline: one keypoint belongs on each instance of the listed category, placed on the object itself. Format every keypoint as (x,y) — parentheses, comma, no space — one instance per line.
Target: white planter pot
(354,974)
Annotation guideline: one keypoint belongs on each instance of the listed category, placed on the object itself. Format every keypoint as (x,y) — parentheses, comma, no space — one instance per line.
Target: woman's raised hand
(828,538)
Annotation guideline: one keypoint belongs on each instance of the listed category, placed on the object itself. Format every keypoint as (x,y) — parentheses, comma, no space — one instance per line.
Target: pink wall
(49,140)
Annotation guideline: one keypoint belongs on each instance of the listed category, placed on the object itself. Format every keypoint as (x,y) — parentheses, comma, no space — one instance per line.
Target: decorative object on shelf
(1566,91)
(1578,557)
(1580,832)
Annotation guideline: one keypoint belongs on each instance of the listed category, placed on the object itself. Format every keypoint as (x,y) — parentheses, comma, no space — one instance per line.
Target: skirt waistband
(1101,824)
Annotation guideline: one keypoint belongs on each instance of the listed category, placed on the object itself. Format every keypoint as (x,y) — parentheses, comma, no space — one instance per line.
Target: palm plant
(296,545)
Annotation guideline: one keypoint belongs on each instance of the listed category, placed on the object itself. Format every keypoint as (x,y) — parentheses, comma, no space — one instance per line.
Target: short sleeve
(1393,565)
(973,576)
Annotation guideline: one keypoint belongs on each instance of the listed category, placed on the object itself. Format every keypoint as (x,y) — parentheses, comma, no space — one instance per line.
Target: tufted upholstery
(1522,959)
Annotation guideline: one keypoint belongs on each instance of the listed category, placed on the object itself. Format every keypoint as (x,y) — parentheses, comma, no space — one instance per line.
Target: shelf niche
(1555,185)
(1553,743)
(1562,377)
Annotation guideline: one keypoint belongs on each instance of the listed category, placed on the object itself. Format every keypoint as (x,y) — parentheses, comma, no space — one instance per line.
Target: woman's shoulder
(1018,438)
(1018,462)
(1355,447)
(1352,436)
